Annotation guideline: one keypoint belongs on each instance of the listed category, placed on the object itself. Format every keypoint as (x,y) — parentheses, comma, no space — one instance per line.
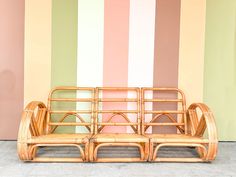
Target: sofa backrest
(163,110)
(129,109)
(117,107)
(71,110)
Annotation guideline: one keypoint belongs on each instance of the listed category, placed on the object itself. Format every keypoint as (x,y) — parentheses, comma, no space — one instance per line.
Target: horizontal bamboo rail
(57,159)
(69,123)
(70,112)
(185,160)
(118,160)
(162,100)
(163,123)
(72,88)
(164,112)
(119,88)
(71,99)
(117,100)
(117,111)
(164,89)
(117,124)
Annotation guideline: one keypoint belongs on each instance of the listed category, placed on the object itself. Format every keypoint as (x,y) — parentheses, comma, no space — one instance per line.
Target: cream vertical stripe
(191,51)
(90,42)
(37,63)
(141,45)
(90,45)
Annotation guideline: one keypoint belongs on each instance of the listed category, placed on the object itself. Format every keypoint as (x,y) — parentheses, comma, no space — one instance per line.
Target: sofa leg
(146,151)
(24,151)
(200,152)
(86,152)
(150,158)
(91,151)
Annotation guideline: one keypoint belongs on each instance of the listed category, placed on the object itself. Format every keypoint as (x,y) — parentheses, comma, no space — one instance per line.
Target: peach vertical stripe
(166,57)
(116,37)
(11,66)
(191,50)
(37,50)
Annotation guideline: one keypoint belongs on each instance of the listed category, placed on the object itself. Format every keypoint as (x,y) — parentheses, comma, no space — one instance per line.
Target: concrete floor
(223,166)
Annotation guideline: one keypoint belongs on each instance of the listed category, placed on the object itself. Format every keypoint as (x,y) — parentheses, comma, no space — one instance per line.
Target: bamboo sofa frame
(37,128)
(191,126)
(134,139)
(195,126)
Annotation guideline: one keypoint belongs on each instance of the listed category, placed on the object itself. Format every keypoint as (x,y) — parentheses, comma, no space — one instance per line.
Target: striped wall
(11,66)
(166,54)
(188,44)
(64,62)
(37,50)
(220,65)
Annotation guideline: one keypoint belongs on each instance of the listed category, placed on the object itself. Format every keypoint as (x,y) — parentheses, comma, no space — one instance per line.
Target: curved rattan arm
(198,126)
(32,124)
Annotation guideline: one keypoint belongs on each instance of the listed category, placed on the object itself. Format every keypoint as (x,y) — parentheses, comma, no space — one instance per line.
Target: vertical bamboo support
(185,111)
(91,150)
(151,149)
(93,116)
(138,110)
(86,151)
(142,111)
(48,114)
(146,151)
(96,112)
(41,120)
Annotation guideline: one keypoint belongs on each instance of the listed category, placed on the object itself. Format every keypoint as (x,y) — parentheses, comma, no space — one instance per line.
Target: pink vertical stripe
(11,66)
(166,56)
(116,35)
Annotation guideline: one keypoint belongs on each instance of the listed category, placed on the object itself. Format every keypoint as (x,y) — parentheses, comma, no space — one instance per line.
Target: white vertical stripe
(90,45)
(141,44)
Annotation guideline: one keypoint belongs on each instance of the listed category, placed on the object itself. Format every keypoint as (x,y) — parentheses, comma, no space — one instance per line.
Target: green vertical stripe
(220,65)
(64,48)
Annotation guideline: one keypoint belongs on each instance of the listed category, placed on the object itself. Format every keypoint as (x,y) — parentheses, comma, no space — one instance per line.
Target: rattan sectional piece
(146,118)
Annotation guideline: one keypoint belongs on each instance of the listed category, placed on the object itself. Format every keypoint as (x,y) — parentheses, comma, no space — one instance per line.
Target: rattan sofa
(153,118)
